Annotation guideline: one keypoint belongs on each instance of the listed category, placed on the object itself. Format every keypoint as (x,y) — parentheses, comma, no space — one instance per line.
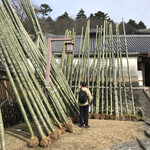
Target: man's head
(84,84)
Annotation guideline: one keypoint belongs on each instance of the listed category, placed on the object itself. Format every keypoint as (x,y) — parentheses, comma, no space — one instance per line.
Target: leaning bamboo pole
(69,60)
(122,73)
(63,53)
(94,67)
(2,134)
(98,70)
(118,62)
(81,74)
(79,61)
(85,54)
(103,66)
(114,79)
(129,75)
(88,56)
(72,59)
(110,68)
(106,70)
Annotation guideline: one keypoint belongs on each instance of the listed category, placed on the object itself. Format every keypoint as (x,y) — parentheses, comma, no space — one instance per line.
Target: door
(147,74)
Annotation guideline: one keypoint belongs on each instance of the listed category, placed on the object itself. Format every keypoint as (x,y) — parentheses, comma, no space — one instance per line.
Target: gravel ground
(101,135)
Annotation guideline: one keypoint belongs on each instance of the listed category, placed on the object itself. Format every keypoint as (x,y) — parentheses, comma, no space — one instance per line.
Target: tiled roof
(135,43)
(143,31)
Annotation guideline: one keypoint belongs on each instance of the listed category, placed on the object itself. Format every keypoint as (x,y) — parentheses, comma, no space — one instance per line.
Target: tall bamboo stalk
(118,61)
(110,67)
(72,61)
(2,134)
(63,53)
(94,65)
(122,73)
(88,55)
(81,74)
(114,80)
(106,70)
(79,61)
(103,66)
(129,75)
(98,70)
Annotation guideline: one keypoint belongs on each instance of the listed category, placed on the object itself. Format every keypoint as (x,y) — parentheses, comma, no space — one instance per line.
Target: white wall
(132,65)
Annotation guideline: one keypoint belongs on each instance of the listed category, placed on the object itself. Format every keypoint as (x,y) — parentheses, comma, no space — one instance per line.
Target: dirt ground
(101,135)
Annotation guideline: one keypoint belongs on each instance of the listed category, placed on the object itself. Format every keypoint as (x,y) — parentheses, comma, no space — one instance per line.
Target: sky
(137,10)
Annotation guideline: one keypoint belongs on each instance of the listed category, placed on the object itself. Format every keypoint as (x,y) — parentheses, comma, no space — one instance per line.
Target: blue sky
(137,10)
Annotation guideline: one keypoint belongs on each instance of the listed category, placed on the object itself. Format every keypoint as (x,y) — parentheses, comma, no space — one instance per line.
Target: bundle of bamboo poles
(106,76)
(49,104)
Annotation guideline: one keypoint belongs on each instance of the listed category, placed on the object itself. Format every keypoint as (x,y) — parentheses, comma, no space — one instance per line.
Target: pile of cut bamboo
(25,64)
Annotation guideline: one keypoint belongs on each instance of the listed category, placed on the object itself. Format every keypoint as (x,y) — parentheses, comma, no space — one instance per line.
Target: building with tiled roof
(143,31)
(138,51)
(137,44)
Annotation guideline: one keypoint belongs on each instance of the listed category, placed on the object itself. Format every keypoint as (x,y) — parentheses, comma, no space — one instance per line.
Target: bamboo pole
(103,65)
(98,70)
(88,56)
(94,67)
(79,61)
(122,73)
(110,67)
(2,134)
(114,80)
(106,70)
(63,53)
(129,75)
(72,60)
(118,61)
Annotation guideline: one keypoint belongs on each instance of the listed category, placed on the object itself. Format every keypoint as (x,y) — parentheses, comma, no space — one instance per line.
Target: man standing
(85,99)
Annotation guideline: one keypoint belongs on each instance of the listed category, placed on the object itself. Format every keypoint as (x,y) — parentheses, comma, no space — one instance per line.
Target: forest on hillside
(64,21)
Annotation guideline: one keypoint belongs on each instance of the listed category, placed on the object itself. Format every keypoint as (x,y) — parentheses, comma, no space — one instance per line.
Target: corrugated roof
(135,43)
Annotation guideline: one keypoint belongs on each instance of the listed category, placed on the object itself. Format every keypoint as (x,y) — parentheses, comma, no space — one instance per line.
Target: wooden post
(50,40)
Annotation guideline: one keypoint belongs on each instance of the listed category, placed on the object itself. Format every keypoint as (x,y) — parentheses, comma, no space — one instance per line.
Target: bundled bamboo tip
(107,117)
(63,129)
(53,135)
(90,116)
(45,142)
(102,116)
(122,118)
(33,142)
(96,116)
(75,119)
(69,126)
(58,131)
